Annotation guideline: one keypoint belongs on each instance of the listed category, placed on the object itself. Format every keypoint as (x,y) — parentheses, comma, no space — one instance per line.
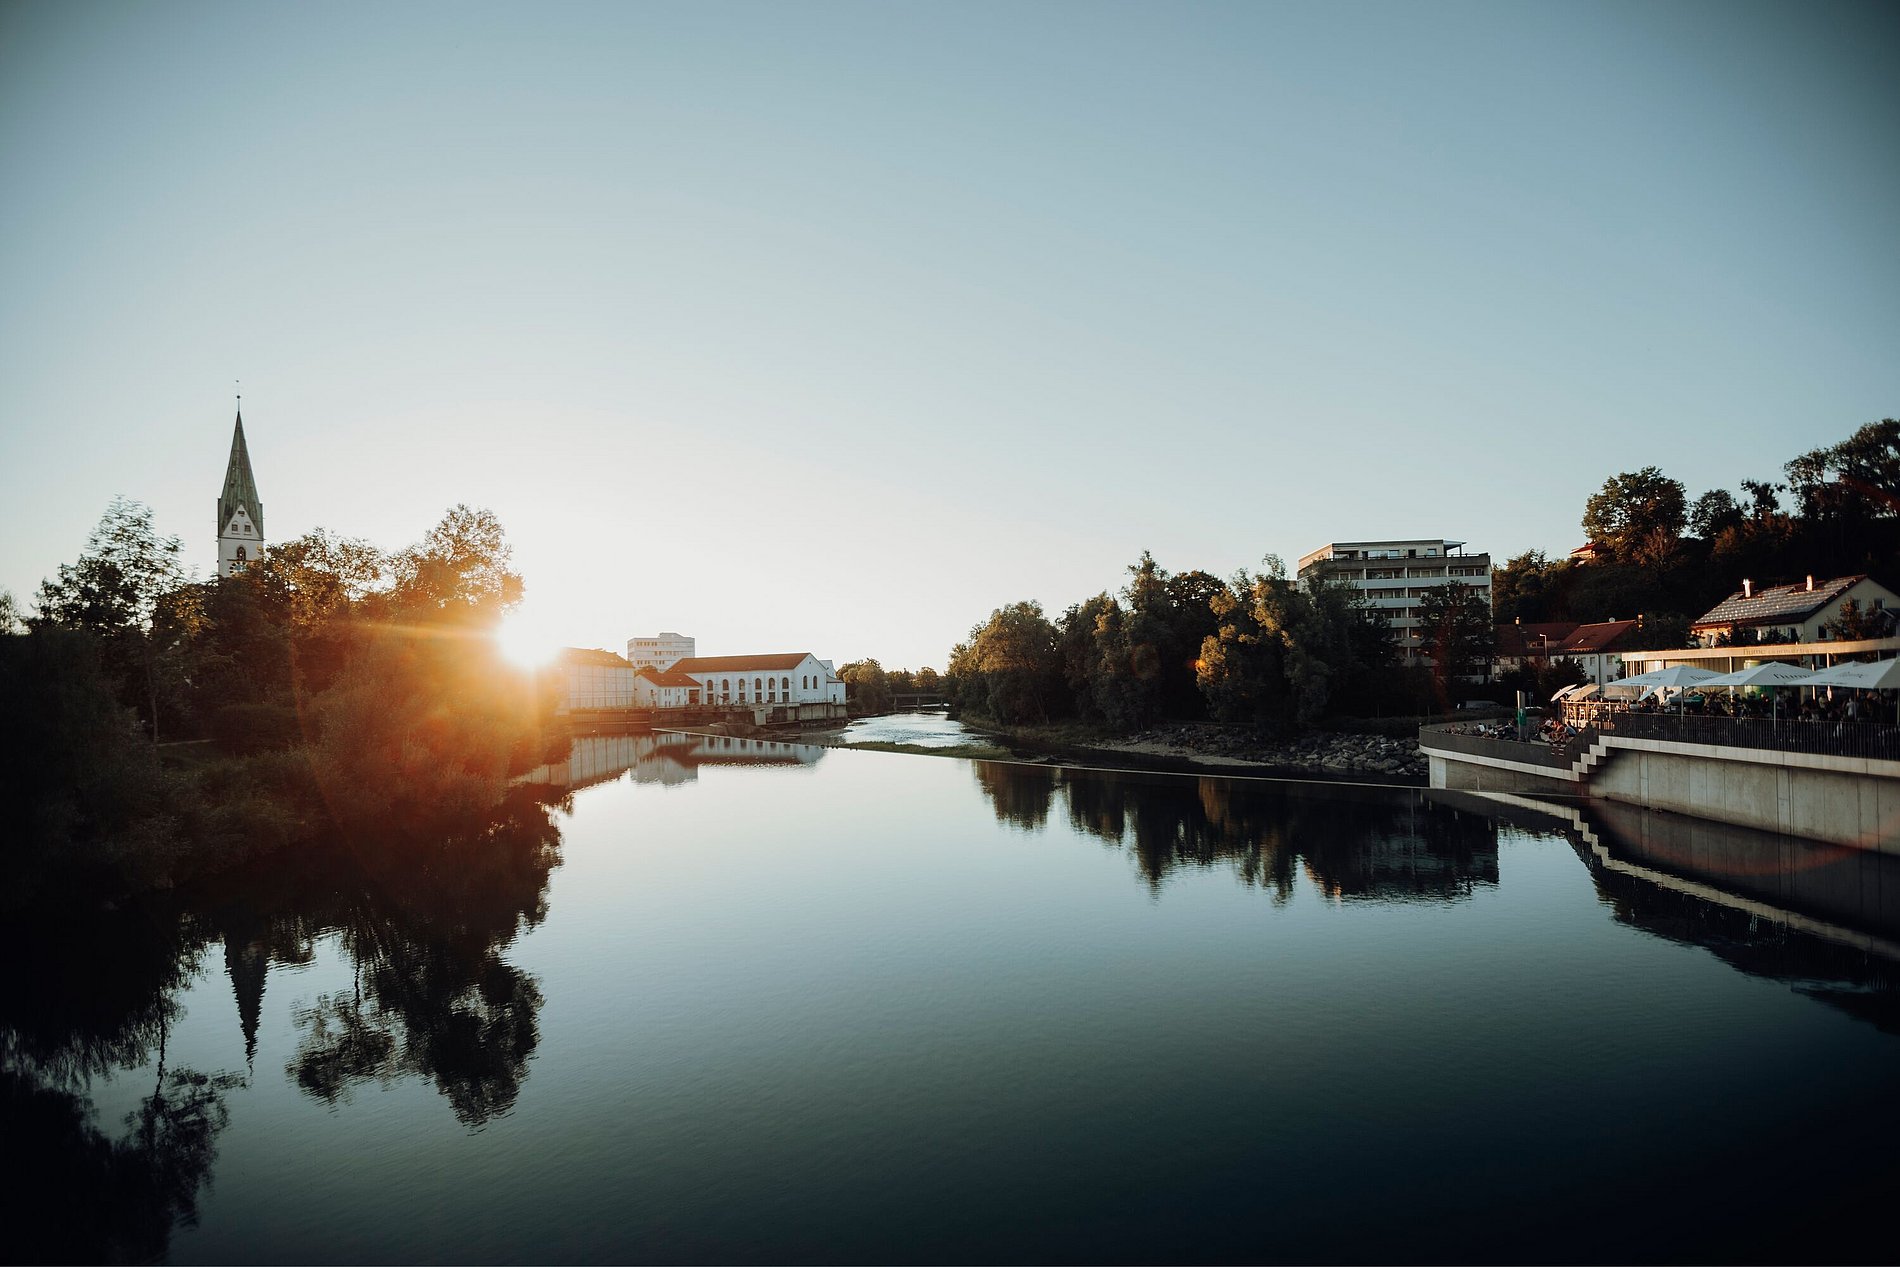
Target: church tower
(240,514)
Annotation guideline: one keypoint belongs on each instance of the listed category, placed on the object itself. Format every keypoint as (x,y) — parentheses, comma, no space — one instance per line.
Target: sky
(833,327)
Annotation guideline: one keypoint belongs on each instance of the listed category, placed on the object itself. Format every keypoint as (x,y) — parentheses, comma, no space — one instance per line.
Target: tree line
(332,687)
(1267,649)
(1657,553)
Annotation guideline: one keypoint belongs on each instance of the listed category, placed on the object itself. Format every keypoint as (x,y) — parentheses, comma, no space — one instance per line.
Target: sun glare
(524,642)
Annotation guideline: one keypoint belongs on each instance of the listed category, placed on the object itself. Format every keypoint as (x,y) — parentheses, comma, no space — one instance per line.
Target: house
(1597,648)
(1519,643)
(1395,575)
(1795,613)
(655,688)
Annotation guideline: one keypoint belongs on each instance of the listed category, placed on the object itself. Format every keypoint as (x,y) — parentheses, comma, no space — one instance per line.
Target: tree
(459,571)
(10,621)
(1456,632)
(1008,670)
(867,686)
(1627,514)
(113,591)
(1712,512)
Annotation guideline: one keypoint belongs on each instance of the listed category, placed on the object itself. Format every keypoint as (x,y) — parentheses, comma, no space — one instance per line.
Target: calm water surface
(749,1001)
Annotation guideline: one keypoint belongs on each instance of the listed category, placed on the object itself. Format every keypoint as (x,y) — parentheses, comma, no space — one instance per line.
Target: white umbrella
(1767,673)
(1565,690)
(1674,677)
(1879,675)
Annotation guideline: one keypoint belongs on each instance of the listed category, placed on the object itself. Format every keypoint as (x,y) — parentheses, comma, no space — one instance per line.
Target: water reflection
(424,927)
(668,758)
(1354,843)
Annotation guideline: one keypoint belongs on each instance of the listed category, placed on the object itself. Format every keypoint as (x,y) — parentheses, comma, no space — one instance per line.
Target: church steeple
(240,513)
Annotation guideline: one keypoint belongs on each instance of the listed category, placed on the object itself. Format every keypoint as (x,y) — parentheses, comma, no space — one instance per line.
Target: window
(786,684)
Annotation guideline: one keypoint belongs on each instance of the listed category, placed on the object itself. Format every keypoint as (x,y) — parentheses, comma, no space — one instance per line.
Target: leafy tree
(1456,632)
(867,686)
(113,592)
(1713,512)
(1008,670)
(1634,512)
(458,572)
(10,620)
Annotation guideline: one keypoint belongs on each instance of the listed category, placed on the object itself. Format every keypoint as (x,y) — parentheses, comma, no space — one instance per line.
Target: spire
(240,486)
(248,964)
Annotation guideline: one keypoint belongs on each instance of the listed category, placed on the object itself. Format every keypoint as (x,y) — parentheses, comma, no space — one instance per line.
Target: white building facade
(796,677)
(593,679)
(660,651)
(1395,575)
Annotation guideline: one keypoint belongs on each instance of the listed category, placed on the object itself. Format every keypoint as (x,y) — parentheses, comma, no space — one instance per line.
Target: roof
(1602,636)
(672,677)
(739,663)
(591,655)
(1528,639)
(1777,602)
(239,484)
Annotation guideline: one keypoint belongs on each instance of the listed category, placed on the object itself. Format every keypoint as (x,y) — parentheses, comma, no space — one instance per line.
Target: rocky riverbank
(1318,752)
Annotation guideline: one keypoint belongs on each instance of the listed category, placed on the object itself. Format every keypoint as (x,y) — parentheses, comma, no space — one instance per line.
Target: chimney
(1810,582)
(1748,588)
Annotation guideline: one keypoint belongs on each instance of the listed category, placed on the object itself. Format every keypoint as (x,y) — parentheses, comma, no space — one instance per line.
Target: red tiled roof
(1531,639)
(591,655)
(1589,639)
(1777,602)
(672,677)
(740,663)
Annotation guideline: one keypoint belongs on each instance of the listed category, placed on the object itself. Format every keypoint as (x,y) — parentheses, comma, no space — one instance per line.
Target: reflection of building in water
(668,758)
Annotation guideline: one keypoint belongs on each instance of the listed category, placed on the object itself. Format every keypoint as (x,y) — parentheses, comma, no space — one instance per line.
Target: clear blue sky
(834,326)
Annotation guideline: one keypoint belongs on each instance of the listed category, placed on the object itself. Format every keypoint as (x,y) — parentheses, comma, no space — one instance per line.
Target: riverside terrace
(1832,780)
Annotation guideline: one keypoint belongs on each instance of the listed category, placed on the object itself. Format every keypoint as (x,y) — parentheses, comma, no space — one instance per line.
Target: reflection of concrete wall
(1771,793)
(1855,887)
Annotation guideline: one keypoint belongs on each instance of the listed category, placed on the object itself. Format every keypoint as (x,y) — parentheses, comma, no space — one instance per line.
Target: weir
(1837,783)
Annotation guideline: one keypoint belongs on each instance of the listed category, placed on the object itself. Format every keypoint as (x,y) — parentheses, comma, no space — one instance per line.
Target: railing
(1830,738)
(1447,738)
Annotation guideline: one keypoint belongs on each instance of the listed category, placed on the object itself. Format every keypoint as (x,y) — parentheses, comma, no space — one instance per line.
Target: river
(740,1000)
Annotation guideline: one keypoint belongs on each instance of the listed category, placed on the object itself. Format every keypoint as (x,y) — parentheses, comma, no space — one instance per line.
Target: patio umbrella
(1769,673)
(1675,677)
(1562,691)
(1879,675)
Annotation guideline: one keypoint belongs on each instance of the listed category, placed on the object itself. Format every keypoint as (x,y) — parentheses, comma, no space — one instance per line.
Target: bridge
(917,702)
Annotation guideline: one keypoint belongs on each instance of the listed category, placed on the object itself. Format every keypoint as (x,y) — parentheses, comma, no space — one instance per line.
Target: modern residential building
(1394,575)
(660,651)
(1796,613)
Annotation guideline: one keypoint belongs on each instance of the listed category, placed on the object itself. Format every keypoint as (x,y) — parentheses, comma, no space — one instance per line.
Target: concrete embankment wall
(1837,800)
(1771,791)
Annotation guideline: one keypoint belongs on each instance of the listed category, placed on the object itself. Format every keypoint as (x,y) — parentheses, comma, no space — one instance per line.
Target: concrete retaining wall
(1837,806)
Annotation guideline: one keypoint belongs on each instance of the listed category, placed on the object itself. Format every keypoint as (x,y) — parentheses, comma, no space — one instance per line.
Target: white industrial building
(1394,576)
(795,677)
(592,679)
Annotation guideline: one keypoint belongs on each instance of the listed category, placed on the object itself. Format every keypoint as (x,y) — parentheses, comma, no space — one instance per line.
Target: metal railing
(1457,737)
(1828,738)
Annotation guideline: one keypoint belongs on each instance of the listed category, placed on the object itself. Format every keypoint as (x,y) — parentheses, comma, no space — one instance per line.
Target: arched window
(786,685)
(240,554)
(757,686)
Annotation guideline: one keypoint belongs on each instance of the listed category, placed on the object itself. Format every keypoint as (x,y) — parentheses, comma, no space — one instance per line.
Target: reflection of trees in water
(96,992)
(92,993)
(432,995)
(1353,843)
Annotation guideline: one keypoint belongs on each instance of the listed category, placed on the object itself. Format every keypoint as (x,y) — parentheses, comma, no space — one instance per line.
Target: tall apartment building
(1394,576)
(660,651)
